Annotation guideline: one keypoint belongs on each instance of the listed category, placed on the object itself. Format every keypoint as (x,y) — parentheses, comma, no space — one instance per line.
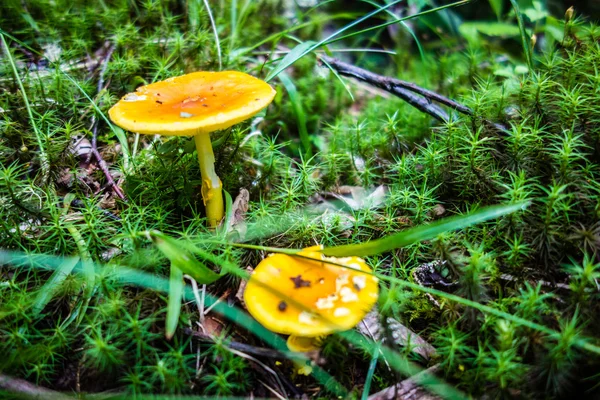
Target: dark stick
(392,85)
(100,161)
(110,181)
(422,101)
(396,87)
(100,86)
(29,389)
(244,348)
(409,388)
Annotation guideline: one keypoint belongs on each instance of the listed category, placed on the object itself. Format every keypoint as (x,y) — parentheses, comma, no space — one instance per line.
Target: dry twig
(29,390)
(246,348)
(416,96)
(94,152)
(408,389)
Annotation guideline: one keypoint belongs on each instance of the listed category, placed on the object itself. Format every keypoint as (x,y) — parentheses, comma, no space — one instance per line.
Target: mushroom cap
(200,102)
(300,297)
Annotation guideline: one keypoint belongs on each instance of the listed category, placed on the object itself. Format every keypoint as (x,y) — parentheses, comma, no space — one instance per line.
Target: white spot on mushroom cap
(328,302)
(134,97)
(341,312)
(348,295)
(355,266)
(359,282)
(306,318)
(185,115)
(340,281)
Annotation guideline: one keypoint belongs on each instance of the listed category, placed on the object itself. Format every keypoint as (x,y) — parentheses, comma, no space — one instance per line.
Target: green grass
(84,284)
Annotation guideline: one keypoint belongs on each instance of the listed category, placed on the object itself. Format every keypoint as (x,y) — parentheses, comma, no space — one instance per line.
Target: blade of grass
(371,372)
(296,101)
(405,26)
(286,62)
(234,26)
(395,21)
(172,249)
(523,33)
(338,77)
(215,31)
(223,229)
(422,232)
(47,291)
(118,132)
(44,162)
(176,286)
(315,21)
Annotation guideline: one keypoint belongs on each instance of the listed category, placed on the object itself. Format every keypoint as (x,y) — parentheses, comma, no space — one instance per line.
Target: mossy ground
(540,264)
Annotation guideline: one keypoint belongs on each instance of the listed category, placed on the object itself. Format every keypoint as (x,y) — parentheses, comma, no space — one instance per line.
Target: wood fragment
(416,96)
(408,389)
(246,348)
(94,151)
(29,390)
(371,327)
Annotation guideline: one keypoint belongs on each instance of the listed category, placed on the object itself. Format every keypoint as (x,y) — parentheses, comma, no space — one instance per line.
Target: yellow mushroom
(309,298)
(195,105)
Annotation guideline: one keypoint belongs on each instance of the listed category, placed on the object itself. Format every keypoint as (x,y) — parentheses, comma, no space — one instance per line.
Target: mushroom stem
(303,344)
(211,184)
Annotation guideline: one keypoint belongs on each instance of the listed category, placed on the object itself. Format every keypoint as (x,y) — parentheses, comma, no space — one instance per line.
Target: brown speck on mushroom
(299,282)
(357,287)
(256,99)
(204,105)
(159,102)
(282,306)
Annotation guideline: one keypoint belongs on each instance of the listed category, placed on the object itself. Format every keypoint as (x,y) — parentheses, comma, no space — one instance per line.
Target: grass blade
(176,286)
(215,31)
(371,372)
(296,100)
(184,261)
(49,289)
(291,57)
(44,163)
(523,33)
(287,61)
(395,21)
(405,26)
(423,232)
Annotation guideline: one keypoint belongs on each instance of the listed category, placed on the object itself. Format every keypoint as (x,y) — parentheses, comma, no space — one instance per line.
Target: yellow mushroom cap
(300,297)
(200,102)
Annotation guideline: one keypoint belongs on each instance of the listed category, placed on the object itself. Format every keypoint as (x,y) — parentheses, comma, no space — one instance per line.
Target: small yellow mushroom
(195,105)
(310,298)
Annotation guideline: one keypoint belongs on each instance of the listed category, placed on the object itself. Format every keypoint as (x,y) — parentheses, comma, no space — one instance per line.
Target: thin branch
(409,388)
(246,348)
(99,89)
(99,160)
(416,96)
(29,390)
